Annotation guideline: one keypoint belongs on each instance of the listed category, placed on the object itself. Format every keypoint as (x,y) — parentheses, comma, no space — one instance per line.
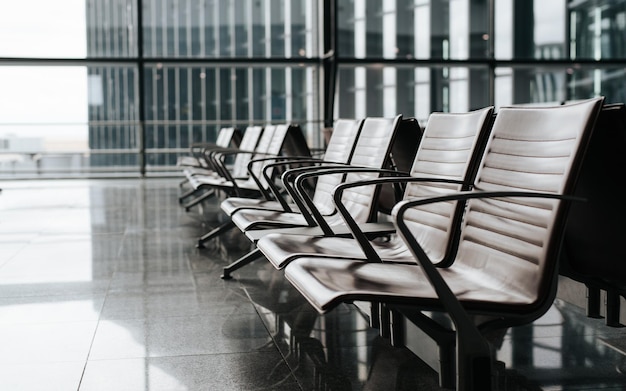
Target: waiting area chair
(373,150)
(371,153)
(505,266)
(276,141)
(448,155)
(339,150)
(226,137)
(216,165)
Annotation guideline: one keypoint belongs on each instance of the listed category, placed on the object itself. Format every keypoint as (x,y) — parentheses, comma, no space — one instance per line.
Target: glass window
(50,29)
(598,30)
(68,120)
(424,29)
(411,91)
(553,84)
(189,103)
(530,29)
(230,28)
(524,84)
(213,63)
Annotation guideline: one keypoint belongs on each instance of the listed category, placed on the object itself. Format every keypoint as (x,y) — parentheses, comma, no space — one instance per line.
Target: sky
(35,95)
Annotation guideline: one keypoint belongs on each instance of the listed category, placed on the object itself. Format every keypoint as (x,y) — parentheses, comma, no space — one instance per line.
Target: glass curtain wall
(412,56)
(124,87)
(417,56)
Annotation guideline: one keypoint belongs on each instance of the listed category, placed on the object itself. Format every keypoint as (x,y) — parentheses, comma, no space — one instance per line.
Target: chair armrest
(370,254)
(285,161)
(289,160)
(330,171)
(268,157)
(209,152)
(288,177)
(197,149)
(472,347)
(217,157)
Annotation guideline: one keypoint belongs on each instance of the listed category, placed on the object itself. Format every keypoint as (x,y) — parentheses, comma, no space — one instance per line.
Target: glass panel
(226,28)
(111,28)
(373,24)
(39,28)
(598,30)
(59,120)
(242,28)
(411,91)
(609,82)
(113,118)
(278,27)
(304,96)
(405,29)
(530,29)
(425,29)
(303,32)
(230,28)
(520,85)
(189,103)
(278,94)
(546,84)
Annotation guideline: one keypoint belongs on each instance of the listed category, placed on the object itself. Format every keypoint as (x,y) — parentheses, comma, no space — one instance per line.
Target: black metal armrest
(308,201)
(218,158)
(209,152)
(288,178)
(268,157)
(197,149)
(357,233)
(288,161)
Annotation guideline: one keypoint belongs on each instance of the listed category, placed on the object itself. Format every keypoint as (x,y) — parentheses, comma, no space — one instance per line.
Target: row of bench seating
(479,207)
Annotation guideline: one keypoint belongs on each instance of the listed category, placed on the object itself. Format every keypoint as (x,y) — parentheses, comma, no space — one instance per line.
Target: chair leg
(612,309)
(214,233)
(188,193)
(241,262)
(199,199)
(474,363)
(384,321)
(397,329)
(593,302)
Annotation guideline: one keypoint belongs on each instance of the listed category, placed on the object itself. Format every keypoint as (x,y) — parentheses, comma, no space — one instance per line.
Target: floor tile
(185,302)
(249,371)
(46,309)
(54,376)
(45,342)
(232,333)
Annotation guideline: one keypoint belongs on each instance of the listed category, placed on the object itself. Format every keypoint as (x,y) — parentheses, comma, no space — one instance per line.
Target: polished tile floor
(102,288)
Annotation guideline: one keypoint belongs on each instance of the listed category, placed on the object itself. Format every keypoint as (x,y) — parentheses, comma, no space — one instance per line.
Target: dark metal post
(329,60)
(141,91)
